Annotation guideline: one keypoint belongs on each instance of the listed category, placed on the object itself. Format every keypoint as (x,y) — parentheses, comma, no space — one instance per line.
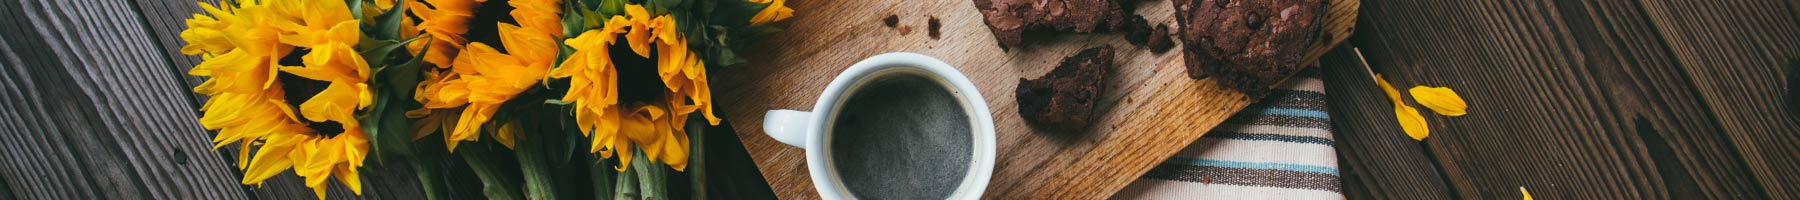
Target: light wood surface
(1149,110)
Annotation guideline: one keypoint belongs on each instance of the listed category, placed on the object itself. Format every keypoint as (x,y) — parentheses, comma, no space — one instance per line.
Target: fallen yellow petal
(1526,193)
(1410,119)
(1393,95)
(1412,122)
(1440,99)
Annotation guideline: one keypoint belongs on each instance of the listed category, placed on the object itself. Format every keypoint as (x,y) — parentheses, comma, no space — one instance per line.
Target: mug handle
(787,126)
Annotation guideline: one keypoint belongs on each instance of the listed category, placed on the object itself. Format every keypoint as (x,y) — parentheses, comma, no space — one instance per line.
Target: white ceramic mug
(809,130)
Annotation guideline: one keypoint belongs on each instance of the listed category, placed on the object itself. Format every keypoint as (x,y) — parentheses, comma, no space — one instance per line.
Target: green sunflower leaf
(371,120)
(571,20)
(376,52)
(609,8)
(389,26)
(406,74)
(669,5)
(355,9)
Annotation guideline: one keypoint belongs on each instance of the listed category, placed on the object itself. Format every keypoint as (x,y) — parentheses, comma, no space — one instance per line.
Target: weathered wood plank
(105,121)
(1376,162)
(1656,101)
(1734,52)
(166,19)
(1573,99)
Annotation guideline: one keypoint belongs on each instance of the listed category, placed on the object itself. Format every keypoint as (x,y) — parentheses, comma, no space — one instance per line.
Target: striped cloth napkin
(1280,148)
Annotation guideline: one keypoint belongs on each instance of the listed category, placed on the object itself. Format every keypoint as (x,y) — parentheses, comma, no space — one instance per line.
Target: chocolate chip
(1222,3)
(1253,20)
(932,26)
(891,21)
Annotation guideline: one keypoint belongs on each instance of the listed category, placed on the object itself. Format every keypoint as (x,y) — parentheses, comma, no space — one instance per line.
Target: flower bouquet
(319,86)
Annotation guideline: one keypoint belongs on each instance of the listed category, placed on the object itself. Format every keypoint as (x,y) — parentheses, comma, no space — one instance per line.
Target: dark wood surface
(1581,99)
(1573,99)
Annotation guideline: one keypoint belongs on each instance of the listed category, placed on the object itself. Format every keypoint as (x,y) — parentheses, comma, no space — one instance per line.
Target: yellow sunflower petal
(338,102)
(506,133)
(349,177)
(1526,194)
(271,159)
(1392,94)
(1410,120)
(318,192)
(639,36)
(1440,99)
(624,152)
(776,11)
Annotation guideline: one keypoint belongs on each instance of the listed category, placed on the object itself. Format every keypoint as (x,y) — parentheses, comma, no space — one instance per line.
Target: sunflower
(593,88)
(249,50)
(444,21)
(776,11)
(481,78)
(656,127)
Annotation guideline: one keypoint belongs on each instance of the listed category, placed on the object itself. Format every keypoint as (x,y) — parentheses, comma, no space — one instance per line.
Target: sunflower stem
(426,162)
(628,181)
(539,183)
(495,183)
(651,178)
(696,169)
(603,175)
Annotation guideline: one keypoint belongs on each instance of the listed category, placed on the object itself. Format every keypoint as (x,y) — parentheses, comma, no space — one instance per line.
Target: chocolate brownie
(1011,19)
(1248,44)
(1064,99)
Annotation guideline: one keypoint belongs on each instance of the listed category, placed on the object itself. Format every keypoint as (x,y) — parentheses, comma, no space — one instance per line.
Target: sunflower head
(481,78)
(265,56)
(619,112)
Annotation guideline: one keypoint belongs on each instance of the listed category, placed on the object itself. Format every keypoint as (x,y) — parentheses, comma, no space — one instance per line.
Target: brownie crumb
(1064,99)
(891,21)
(1159,39)
(1137,31)
(933,26)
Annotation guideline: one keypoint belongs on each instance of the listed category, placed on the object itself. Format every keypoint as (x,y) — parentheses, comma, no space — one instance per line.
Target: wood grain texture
(1148,114)
(1377,161)
(88,117)
(1573,99)
(1734,53)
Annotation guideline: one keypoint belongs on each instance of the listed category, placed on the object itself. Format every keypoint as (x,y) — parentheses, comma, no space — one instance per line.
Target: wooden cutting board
(1150,109)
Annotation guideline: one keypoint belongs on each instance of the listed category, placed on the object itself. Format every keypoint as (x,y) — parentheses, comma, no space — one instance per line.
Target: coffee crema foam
(901,137)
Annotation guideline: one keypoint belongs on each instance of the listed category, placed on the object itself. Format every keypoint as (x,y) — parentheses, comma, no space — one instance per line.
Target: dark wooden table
(1573,99)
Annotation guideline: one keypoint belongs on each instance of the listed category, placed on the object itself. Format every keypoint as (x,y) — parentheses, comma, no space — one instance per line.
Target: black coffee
(901,137)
